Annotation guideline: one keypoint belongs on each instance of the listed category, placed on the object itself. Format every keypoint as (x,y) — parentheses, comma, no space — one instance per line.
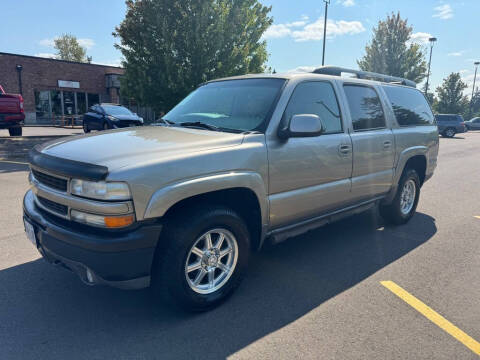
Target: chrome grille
(50,180)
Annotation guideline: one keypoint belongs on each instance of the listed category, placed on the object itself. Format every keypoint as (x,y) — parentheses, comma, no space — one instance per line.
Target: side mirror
(303,125)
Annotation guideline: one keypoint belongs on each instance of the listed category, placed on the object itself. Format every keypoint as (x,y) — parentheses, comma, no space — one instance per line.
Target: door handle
(387,144)
(344,149)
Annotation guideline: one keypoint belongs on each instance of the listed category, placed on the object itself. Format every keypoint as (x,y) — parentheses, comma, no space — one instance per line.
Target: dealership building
(54,89)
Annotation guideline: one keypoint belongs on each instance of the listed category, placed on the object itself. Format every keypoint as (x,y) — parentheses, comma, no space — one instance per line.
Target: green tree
(390,52)
(450,98)
(170,46)
(69,49)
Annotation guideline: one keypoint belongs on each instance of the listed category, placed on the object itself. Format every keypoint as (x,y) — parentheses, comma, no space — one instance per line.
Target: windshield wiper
(200,125)
(165,121)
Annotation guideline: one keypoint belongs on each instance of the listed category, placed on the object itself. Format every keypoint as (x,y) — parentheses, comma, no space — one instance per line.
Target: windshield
(241,105)
(116,110)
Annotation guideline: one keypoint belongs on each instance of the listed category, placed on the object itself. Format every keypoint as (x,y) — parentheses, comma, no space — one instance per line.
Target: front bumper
(119,258)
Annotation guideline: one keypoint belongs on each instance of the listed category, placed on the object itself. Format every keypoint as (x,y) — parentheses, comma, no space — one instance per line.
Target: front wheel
(86,130)
(105,126)
(202,258)
(450,133)
(404,205)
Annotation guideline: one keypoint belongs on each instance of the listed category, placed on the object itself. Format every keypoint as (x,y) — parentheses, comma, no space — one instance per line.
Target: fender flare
(403,158)
(164,198)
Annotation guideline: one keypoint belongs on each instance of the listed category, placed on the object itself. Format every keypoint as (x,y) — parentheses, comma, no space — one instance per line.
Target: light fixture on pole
(432,41)
(327,2)
(476,63)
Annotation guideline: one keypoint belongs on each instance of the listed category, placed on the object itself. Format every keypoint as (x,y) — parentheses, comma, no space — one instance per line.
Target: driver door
(310,176)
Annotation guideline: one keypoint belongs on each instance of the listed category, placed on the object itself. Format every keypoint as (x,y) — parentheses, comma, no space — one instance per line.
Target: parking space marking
(433,316)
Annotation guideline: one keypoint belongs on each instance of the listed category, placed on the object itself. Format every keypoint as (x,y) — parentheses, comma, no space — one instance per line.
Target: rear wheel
(105,126)
(404,204)
(202,258)
(450,132)
(15,131)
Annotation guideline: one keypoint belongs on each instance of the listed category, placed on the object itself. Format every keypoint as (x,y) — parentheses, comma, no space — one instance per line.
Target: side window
(409,105)
(365,108)
(318,98)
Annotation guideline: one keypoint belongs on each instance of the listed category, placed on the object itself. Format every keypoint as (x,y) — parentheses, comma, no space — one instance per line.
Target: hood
(123,147)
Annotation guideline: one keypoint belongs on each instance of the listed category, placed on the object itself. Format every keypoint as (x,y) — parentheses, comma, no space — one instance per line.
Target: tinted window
(234,104)
(116,110)
(365,107)
(409,105)
(317,98)
(443,118)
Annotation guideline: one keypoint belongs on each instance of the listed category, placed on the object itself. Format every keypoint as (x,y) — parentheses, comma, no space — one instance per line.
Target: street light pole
(432,41)
(327,2)
(476,63)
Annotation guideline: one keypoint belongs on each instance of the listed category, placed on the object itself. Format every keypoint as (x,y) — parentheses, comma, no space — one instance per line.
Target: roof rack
(337,71)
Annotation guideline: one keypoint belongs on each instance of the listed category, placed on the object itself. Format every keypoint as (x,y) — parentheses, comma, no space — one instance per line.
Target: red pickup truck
(11,112)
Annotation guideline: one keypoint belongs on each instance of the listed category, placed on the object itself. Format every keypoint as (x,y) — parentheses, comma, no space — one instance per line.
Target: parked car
(473,124)
(240,162)
(109,116)
(450,124)
(12,114)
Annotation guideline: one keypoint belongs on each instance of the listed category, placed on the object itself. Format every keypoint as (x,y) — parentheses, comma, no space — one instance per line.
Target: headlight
(141,119)
(112,118)
(102,221)
(100,190)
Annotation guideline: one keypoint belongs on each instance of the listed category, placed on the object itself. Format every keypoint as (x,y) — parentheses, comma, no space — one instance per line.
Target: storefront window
(68,103)
(81,103)
(56,103)
(93,99)
(42,104)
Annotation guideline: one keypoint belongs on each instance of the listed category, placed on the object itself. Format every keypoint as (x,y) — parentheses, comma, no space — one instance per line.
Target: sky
(294,41)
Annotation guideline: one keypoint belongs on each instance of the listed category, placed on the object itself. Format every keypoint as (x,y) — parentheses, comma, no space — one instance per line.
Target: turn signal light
(119,221)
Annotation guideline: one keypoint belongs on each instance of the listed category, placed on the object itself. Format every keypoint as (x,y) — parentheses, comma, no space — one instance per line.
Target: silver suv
(240,161)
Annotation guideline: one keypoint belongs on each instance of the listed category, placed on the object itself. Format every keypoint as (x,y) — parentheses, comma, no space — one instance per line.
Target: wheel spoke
(223,267)
(197,251)
(201,274)
(208,241)
(225,252)
(220,241)
(211,277)
(194,266)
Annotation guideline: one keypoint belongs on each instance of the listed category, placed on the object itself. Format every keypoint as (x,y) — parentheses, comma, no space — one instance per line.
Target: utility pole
(476,63)
(327,2)
(432,41)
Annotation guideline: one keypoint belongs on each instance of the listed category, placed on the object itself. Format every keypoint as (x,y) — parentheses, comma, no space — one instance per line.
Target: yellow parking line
(13,162)
(433,316)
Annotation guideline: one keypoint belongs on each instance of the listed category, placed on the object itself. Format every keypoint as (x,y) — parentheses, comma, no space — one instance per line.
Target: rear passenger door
(372,141)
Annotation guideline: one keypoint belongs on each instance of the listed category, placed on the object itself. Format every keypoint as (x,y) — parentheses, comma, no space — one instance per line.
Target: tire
(105,126)
(397,212)
(86,130)
(173,283)
(15,131)
(450,132)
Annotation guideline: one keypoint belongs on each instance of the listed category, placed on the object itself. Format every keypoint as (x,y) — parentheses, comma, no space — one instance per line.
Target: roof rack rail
(337,71)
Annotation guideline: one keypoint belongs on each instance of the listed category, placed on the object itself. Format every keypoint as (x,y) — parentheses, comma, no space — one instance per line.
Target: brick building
(54,88)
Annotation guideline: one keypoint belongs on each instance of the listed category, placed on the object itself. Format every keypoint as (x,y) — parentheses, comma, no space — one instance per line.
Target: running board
(283,233)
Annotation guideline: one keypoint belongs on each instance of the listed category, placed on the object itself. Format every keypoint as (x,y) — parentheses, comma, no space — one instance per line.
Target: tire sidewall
(409,174)
(174,264)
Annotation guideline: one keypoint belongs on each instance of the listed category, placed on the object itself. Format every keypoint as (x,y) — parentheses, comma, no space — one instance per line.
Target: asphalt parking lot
(318,296)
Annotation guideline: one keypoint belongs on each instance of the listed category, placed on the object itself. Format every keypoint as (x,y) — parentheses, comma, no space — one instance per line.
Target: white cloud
(46,55)
(86,43)
(277,31)
(347,3)
(303,69)
(296,24)
(464,71)
(305,17)
(314,31)
(443,12)
(420,38)
(47,42)
(456,53)
(117,62)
